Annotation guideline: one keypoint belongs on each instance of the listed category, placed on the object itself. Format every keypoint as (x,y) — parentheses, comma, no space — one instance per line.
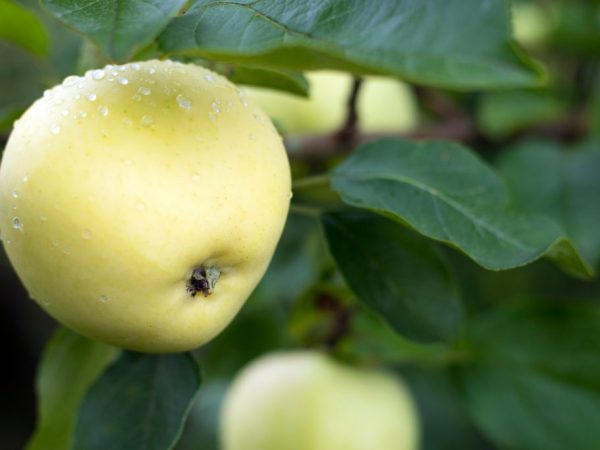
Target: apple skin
(383,105)
(116,186)
(305,400)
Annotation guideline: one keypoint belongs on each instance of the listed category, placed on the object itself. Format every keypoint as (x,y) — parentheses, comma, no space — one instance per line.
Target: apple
(384,105)
(305,400)
(141,204)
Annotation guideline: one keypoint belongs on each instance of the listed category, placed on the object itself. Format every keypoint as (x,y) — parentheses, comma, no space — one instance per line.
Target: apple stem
(203,279)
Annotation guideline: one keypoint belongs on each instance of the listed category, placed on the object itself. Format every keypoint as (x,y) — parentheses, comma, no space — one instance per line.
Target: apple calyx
(203,279)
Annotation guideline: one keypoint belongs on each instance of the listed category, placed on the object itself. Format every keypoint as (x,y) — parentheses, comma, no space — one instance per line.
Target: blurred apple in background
(384,105)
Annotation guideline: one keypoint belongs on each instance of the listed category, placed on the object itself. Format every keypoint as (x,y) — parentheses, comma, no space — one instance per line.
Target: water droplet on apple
(25,178)
(215,107)
(86,234)
(103,299)
(98,74)
(70,81)
(136,98)
(127,121)
(15,194)
(184,102)
(64,112)
(55,129)
(82,114)
(92,96)
(17,224)
(123,81)
(135,66)
(209,77)
(151,70)
(144,90)
(103,110)
(147,120)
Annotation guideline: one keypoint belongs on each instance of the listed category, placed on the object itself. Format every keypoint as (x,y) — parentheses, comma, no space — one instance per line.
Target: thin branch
(346,135)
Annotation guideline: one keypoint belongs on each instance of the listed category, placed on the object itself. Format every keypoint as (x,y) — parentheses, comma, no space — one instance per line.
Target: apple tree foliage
(463,255)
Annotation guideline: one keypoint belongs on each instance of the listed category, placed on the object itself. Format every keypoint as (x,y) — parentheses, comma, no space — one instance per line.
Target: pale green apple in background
(305,400)
(384,105)
(141,204)
(531,23)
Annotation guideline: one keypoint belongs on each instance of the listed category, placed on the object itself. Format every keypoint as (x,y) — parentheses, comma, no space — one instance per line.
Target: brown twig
(346,135)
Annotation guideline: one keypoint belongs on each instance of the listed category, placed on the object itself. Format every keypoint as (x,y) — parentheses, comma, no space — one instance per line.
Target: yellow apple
(307,401)
(384,105)
(141,204)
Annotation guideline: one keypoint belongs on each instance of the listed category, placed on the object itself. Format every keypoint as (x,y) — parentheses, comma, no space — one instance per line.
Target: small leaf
(395,273)
(70,364)
(533,381)
(21,26)
(119,27)
(566,187)
(447,193)
(140,402)
(424,41)
(292,82)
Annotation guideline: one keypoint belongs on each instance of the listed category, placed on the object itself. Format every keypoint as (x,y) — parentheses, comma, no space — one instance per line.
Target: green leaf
(395,273)
(70,364)
(424,41)
(21,26)
(119,27)
(534,379)
(292,82)
(566,187)
(445,192)
(504,113)
(140,402)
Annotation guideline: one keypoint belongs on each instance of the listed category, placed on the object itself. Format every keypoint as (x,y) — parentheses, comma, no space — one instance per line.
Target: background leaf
(395,273)
(140,402)
(292,82)
(69,366)
(566,187)
(445,192)
(533,382)
(379,37)
(119,27)
(21,26)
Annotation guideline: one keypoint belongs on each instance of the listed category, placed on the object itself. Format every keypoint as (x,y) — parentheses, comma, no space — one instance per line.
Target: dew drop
(121,68)
(86,234)
(184,102)
(147,120)
(17,224)
(64,112)
(15,194)
(123,81)
(98,74)
(70,81)
(55,129)
(25,178)
(151,70)
(136,98)
(103,299)
(92,96)
(135,66)
(66,250)
(82,114)
(144,90)
(209,77)
(77,96)
(215,107)
(290,196)
(127,121)
(103,110)
(48,95)
(80,85)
